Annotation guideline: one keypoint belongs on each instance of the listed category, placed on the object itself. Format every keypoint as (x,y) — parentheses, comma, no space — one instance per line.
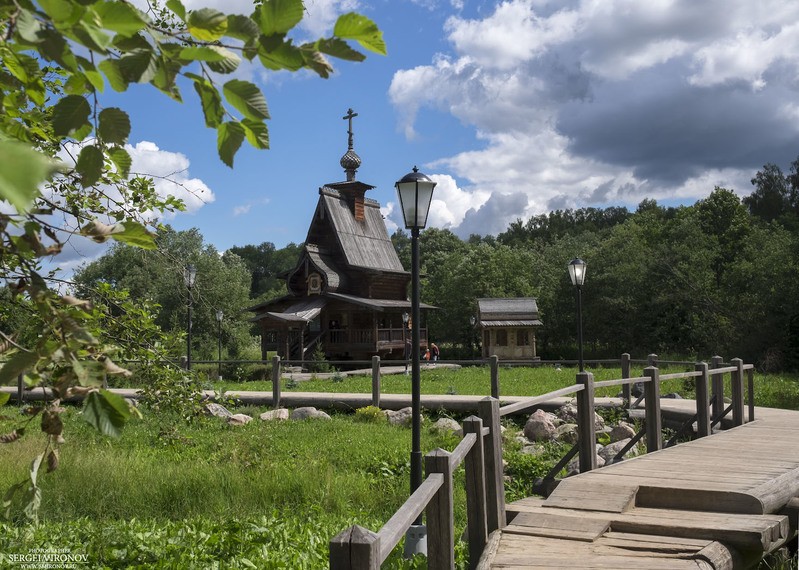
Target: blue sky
(514,108)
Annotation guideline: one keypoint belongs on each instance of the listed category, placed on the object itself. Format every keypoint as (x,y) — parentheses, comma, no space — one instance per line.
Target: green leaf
(90,165)
(211,101)
(283,55)
(20,185)
(61,11)
(246,98)
(4,398)
(135,234)
(139,66)
(92,36)
(337,47)
(120,17)
(121,159)
(114,74)
(92,75)
(114,125)
(69,114)
(106,412)
(178,8)
(229,137)
(356,27)
(256,132)
(316,60)
(207,24)
(19,363)
(279,16)
(242,28)
(29,28)
(220,59)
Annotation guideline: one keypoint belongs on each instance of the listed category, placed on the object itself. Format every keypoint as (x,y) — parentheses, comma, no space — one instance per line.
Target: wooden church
(348,290)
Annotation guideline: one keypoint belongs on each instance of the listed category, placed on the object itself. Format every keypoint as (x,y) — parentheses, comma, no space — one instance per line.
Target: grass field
(264,495)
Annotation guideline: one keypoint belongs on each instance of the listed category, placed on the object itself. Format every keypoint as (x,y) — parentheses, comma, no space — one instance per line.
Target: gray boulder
(610,450)
(540,426)
(399,417)
(239,419)
(217,410)
(621,431)
(279,414)
(568,413)
(447,424)
(308,413)
(567,433)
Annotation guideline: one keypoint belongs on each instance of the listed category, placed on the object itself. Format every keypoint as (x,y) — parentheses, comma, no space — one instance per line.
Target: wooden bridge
(719,502)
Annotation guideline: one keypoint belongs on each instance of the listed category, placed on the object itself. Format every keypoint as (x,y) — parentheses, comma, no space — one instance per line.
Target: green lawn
(264,495)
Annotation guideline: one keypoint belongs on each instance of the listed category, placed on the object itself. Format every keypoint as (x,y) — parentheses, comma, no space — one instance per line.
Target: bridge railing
(481,450)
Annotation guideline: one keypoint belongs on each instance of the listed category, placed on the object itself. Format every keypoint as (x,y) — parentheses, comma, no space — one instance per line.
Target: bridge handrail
(534,401)
(481,449)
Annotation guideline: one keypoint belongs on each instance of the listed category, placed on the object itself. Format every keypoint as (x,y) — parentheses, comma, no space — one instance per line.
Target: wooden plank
(557,525)
(747,532)
(590,494)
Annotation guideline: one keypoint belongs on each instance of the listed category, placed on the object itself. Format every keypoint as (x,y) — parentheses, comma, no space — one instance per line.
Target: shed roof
(305,310)
(513,311)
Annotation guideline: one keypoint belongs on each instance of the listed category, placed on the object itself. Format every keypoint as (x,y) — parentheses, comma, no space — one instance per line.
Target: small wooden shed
(508,327)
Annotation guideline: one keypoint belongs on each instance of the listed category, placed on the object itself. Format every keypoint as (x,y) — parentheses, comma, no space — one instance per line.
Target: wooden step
(760,533)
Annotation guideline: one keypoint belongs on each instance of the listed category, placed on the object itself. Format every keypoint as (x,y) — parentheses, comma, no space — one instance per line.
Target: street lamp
(189,275)
(472,322)
(415,192)
(219,316)
(577,274)
(405,351)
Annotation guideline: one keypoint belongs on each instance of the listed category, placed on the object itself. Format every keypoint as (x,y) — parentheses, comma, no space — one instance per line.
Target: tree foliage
(58,58)
(711,278)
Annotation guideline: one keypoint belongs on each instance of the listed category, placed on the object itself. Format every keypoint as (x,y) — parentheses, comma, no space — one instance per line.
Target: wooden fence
(480,451)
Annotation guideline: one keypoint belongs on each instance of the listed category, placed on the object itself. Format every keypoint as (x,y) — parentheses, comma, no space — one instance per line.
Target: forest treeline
(715,277)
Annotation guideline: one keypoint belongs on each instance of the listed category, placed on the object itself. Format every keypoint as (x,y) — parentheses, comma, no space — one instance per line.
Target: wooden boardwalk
(719,502)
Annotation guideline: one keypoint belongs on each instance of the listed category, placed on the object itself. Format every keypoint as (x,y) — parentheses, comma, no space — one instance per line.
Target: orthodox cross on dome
(350,161)
(348,117)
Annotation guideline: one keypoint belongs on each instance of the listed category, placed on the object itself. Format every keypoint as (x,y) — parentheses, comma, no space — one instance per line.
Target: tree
(776,196)
(267,264)
(57,56)
(223,283)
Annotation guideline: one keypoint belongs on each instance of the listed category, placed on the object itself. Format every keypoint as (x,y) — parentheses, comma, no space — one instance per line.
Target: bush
(370,414)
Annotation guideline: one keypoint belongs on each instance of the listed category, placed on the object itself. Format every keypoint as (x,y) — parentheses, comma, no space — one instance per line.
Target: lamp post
(405,351)
(415,192)
(473,336)
(577,274)
(189,275)
(219,316)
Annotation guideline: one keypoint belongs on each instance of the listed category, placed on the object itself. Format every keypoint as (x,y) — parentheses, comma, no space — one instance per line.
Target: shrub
(370,414)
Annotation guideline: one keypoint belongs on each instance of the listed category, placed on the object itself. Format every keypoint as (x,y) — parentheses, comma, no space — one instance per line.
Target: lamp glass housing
(219,315)
(577,271)
(415,191)
(189,275)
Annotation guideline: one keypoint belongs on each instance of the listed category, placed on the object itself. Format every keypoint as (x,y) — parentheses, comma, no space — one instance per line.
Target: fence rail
(481,450)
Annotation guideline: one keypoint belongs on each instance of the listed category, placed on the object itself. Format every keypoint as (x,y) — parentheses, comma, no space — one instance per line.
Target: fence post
(276,382)
(750,377)
(737,389)
(702,403)
(440,514)
(717,387)
(355,548)
(654,439)
(376,381)
(20,389)
(476,517)
(626,389)
(652,360)
(488,409)
(493,361)
(585,422)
